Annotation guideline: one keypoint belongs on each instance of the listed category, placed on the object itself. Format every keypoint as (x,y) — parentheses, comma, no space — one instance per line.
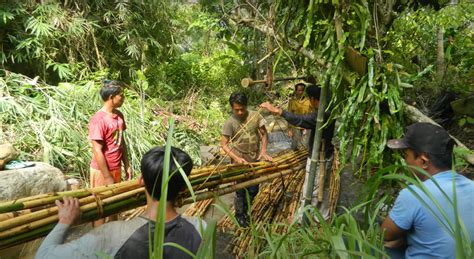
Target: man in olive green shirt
(241,136)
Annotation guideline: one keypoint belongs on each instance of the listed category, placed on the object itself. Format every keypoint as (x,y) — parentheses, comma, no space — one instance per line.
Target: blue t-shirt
(426,237)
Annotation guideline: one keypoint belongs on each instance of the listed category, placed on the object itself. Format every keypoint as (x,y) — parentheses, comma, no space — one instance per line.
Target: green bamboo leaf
(339,246)
(159,235)
(309,24)
(207,248)
(361,93)
(180,247)
(186,179)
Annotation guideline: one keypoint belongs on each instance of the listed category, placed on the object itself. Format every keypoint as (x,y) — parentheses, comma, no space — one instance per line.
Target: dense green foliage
(414,46)
(158,50)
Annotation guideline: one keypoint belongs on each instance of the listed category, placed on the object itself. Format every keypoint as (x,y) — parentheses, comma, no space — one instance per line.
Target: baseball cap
(424,137)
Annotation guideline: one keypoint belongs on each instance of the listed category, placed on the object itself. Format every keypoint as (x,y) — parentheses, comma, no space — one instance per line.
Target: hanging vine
(364,89)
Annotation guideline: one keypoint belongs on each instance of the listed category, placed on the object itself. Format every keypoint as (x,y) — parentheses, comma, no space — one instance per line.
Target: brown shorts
(97,179)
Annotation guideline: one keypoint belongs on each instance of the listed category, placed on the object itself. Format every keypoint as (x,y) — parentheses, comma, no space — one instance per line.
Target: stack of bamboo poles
(28,218)
(276,204)
(198,209)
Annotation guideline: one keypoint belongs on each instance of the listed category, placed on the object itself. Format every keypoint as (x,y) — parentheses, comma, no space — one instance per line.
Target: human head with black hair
(299,89)
(112,91)
(238,103)
(426,146)
(313,92)
(152,170)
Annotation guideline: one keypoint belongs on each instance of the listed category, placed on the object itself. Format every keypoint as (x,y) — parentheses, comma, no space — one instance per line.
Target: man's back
(123,239)
(180,230)
(426,237)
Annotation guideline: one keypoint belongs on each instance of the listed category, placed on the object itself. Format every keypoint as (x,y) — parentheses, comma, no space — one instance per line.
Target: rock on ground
(38,179)
(7,153)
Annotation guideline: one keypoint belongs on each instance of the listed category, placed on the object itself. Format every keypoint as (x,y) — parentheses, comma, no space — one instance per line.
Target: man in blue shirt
(412,223)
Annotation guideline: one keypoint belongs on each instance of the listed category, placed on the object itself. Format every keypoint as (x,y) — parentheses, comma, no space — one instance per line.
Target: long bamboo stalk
(68,193)
(249,175)
(7,224)
(223,169)
(322,172)
(53,218)
(316,149)
(110,209)
(238,186)
(30,203)
(295,157)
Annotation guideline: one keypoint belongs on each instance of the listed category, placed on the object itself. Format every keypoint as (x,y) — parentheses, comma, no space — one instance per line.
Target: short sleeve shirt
(109,129)
(244,135)
(426,237)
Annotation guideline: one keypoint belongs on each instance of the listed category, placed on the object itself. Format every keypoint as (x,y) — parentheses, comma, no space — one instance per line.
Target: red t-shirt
(108,128)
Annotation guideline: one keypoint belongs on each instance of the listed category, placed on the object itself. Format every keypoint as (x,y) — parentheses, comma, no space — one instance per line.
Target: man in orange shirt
(106,129)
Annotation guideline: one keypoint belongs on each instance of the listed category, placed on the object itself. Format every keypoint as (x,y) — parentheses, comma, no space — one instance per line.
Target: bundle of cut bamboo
(28,218)
(275,204)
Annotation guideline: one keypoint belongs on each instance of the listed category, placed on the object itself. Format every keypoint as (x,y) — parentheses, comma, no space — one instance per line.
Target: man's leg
(253,191)
(296,139)
(305,138)
(97,179)
(240,206)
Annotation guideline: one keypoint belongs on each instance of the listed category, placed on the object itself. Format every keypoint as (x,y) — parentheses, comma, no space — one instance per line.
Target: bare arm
(306,121)
(264,137)
(100,158)
(228,150)
(391,231)
(126,162)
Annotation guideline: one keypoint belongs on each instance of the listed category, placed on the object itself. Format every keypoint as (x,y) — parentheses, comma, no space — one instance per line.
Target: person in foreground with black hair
(411,229)
(130,239)
(241,135)
(308,121)
(109,150)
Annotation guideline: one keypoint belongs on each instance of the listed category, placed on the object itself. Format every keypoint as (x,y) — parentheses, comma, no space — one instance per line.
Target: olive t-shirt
(244,135)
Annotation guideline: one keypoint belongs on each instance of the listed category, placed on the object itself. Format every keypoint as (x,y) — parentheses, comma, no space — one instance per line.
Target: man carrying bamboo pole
(241,135)
(109,150)
(320,197)
(131,239)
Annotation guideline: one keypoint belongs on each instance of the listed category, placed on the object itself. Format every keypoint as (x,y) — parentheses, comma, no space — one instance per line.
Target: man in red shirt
(106,129)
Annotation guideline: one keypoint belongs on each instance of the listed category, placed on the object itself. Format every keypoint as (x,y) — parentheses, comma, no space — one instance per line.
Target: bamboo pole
(68,193)
(230,189)
(89,216)
(322,173)
(335,184)
(249,175)
(30,202)
(315,153)
(252,166)
(54,218)
(7,224)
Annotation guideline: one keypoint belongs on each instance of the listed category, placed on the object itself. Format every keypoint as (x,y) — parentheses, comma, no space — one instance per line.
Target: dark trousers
(240,201)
